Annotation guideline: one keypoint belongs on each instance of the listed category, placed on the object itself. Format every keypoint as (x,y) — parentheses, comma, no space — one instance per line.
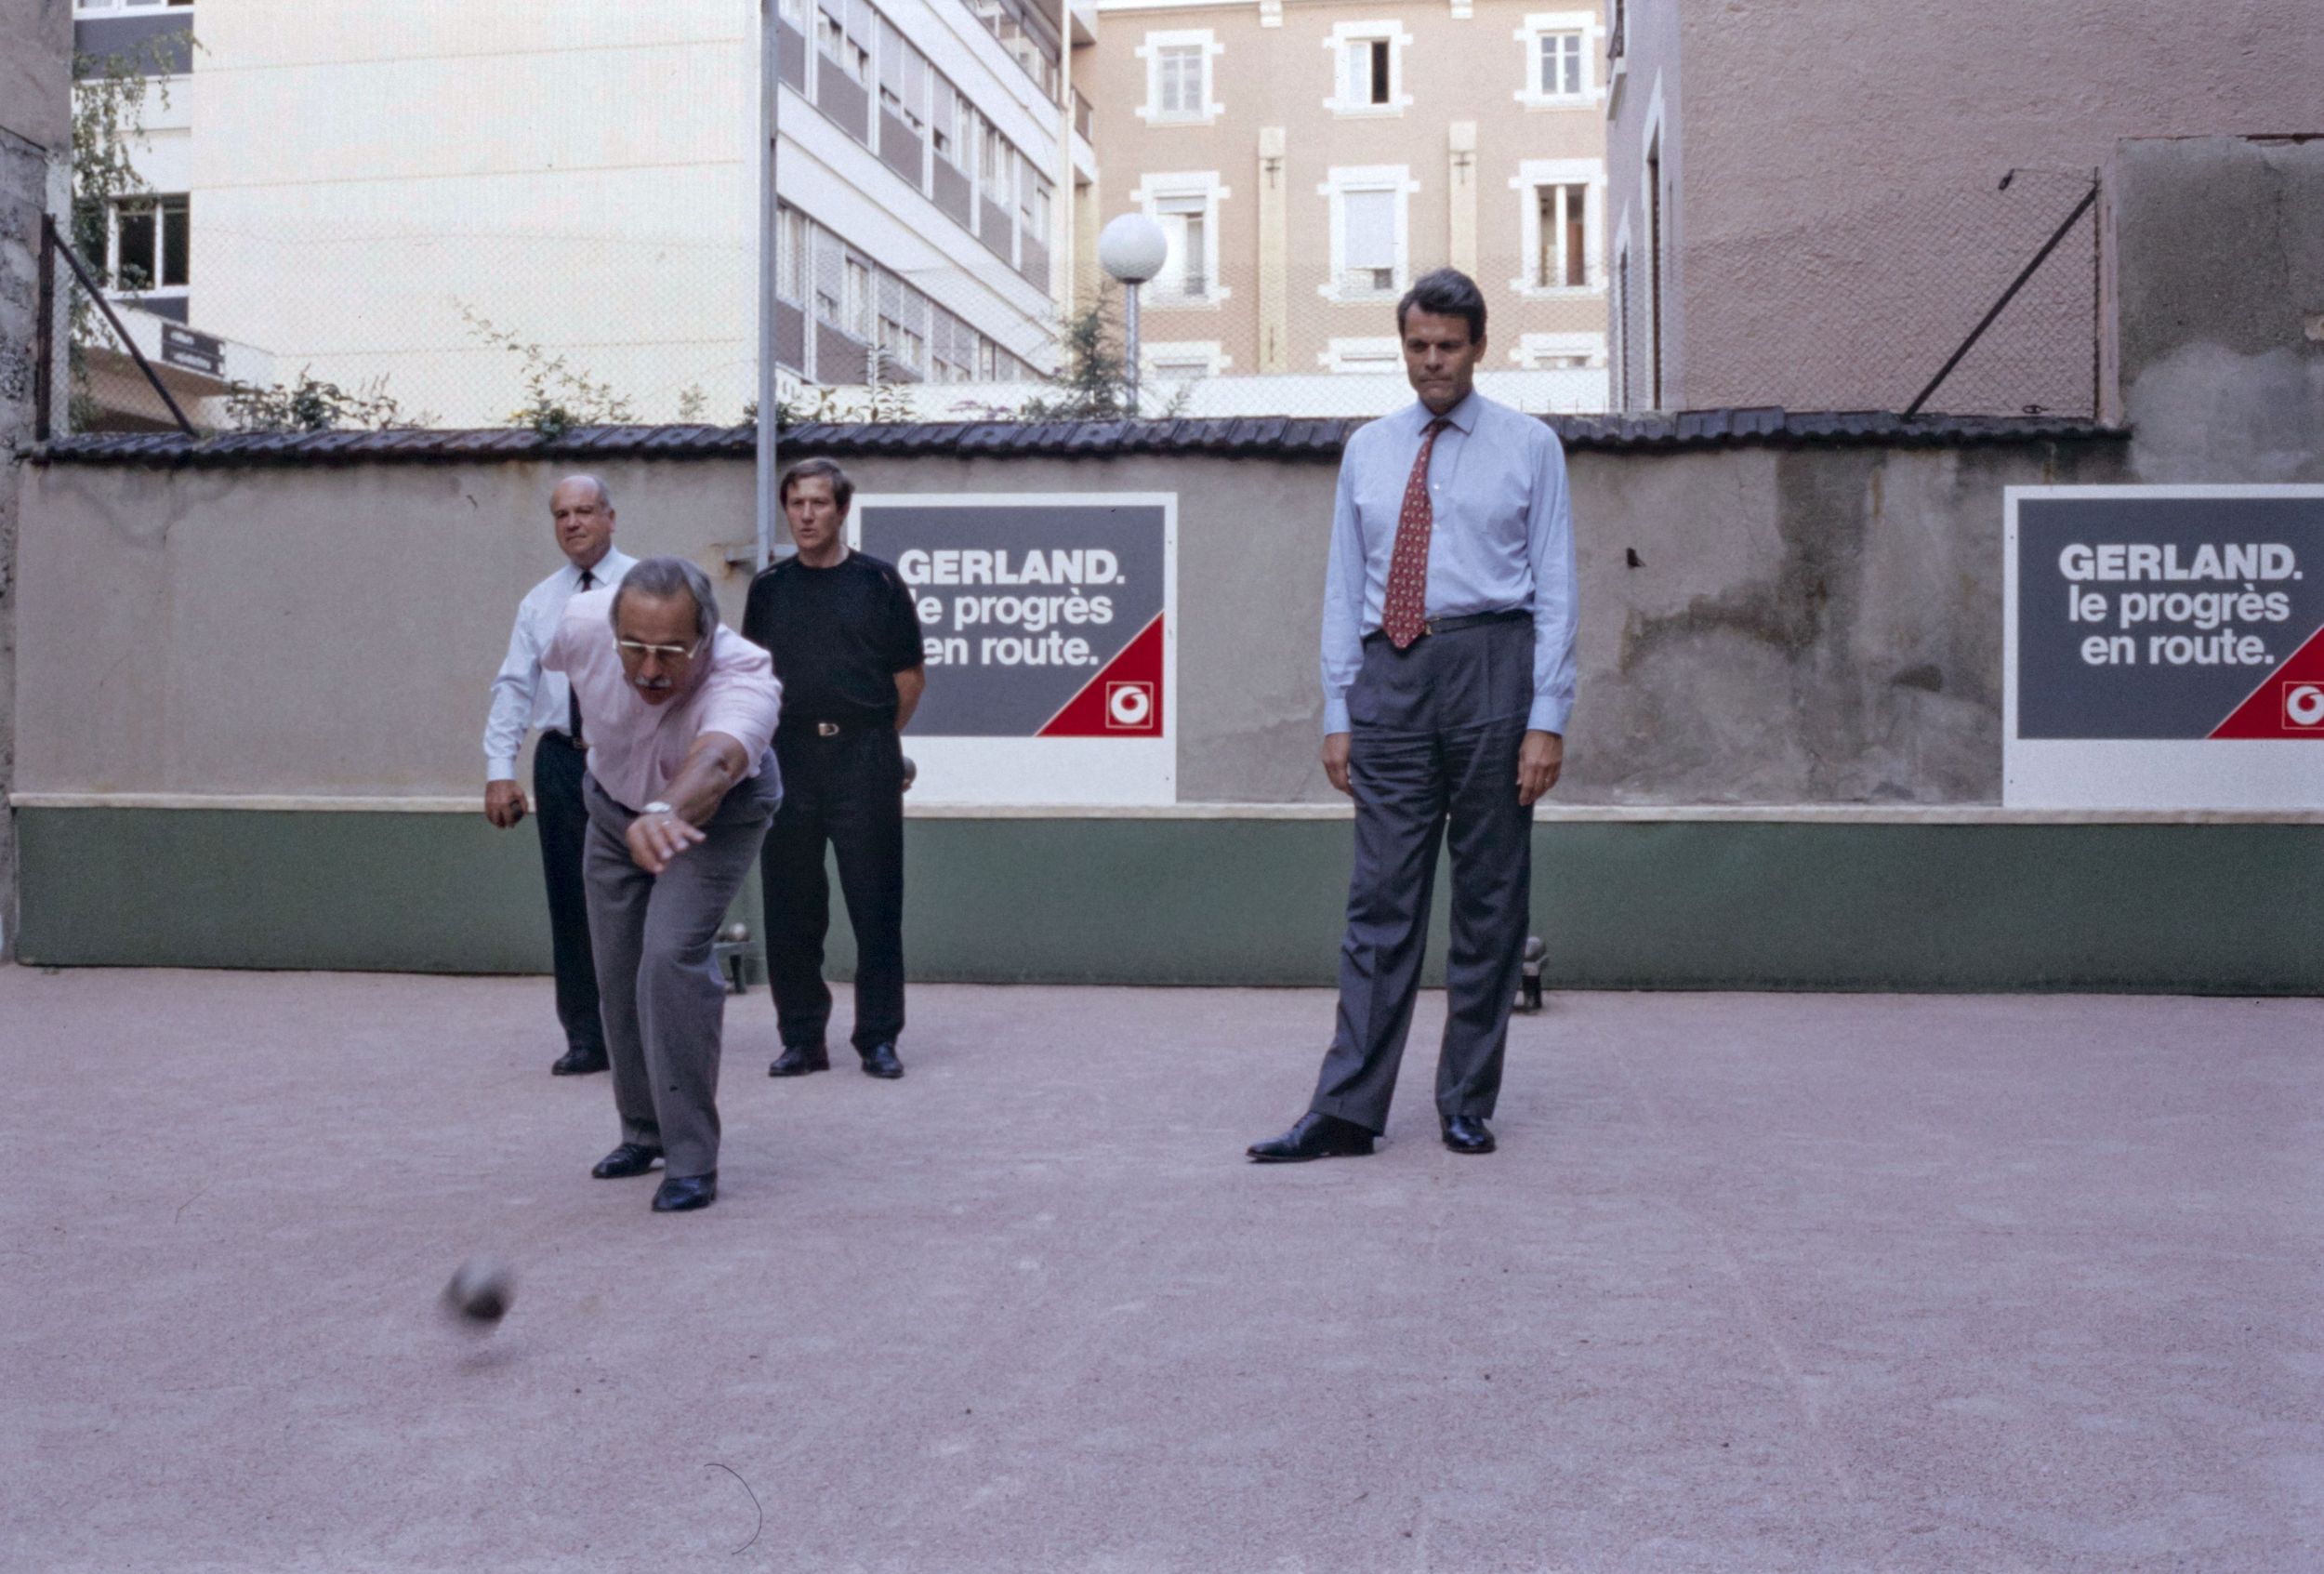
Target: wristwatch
(657,807)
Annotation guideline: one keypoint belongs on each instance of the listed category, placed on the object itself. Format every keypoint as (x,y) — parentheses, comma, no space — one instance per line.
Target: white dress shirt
(524,695)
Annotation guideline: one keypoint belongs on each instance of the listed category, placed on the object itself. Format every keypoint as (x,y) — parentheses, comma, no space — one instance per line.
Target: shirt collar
(607,568)
(1462,417)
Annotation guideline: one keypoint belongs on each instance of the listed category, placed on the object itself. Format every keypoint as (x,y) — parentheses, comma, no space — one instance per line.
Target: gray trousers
(1437,730)
(663,1000)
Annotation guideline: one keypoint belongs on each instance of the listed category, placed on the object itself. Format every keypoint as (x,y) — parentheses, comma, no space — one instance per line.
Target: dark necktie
(573,695)
(1404,610)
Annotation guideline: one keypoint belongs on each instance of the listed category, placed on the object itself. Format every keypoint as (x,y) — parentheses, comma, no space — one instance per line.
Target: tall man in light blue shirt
(1447,675)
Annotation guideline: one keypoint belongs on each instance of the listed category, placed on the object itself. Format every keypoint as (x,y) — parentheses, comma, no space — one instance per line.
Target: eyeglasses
(639,649)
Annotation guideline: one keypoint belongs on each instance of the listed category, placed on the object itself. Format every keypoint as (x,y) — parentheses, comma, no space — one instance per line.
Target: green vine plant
(559,396)
(311,404)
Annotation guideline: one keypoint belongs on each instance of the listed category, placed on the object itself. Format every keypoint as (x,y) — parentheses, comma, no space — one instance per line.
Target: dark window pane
(1379,71)
(136,247)
(177,239)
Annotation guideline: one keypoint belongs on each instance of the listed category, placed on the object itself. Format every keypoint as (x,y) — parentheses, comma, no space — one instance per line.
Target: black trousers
(564,820)
(847,792)
(1435,734)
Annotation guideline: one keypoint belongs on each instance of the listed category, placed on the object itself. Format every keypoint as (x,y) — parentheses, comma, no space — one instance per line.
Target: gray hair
(666,576)
(604,496)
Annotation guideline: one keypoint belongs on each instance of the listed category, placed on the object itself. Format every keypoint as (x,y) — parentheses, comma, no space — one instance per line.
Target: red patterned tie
(1403,613)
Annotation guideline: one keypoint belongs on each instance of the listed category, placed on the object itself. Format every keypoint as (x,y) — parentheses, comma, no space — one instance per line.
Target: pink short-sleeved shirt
(636,748)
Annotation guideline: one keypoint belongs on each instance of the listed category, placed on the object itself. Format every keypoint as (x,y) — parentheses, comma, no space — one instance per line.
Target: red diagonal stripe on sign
(2291,692)
(1123,701)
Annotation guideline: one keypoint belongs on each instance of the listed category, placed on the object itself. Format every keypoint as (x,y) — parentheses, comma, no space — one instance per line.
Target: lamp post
(770,125)
(1132,248)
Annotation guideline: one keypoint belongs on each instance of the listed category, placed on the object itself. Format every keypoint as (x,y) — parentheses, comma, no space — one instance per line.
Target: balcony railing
(1083,117)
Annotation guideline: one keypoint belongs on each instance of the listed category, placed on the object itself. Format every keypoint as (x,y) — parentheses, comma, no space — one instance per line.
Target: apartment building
(394,196)
(1814,204)
(1309,158)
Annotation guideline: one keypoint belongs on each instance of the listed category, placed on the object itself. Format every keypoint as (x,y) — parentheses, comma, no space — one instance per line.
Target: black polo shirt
(839,637)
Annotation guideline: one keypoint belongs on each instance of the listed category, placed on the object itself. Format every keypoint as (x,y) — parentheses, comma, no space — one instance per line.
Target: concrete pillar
(36,142)
(1460,182)
(1275,254)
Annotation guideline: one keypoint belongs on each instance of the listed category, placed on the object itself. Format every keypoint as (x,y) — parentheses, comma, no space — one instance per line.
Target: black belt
(831,729)
(1466,620)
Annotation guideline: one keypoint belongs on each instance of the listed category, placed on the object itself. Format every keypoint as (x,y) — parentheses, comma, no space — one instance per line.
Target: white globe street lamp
(1132,250)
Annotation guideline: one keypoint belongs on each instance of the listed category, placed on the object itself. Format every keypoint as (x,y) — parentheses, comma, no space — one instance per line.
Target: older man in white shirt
(681,788)
(524,699)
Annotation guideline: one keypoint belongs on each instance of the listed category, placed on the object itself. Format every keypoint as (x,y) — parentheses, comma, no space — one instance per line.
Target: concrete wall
(2219,295)
(35,140)
(1803,626)
(1843,156)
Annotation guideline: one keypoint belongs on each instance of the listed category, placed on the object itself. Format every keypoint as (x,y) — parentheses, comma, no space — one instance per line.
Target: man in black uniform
(846,640)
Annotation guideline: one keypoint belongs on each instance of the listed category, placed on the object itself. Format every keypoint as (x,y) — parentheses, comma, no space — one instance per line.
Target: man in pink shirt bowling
(681,786)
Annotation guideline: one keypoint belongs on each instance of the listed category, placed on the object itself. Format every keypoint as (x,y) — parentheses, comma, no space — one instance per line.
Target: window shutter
(1370,229)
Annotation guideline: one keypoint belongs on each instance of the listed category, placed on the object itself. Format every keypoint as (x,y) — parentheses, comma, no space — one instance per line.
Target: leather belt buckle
(826,729)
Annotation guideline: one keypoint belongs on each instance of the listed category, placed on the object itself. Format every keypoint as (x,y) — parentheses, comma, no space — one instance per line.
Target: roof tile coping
(1229,436)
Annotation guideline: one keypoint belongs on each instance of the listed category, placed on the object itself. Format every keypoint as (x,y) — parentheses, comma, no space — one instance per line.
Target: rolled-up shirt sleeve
(1343,601)
(1549,545)
(742,696)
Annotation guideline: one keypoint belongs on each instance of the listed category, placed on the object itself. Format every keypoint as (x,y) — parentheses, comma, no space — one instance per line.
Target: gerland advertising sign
(2164,647)
(1049,622)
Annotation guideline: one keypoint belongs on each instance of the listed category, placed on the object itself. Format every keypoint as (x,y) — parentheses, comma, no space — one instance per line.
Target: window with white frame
(1560,59)
(1371,251)
(1179,78)
(1561,211)
(1185,220)
(112,7)
(1186,206)
(790,254)
(138,245)
(1185,359)
(1552,352)
(1358,356)
(855,305)
(1367,69)
(943,119)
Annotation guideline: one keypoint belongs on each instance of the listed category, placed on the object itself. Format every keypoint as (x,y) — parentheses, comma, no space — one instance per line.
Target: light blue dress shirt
(1503,540)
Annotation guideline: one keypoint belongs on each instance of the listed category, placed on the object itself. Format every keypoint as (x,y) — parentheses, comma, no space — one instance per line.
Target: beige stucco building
(1308,161)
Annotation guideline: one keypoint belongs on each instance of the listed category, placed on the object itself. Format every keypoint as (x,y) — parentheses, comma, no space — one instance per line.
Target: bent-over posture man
(1447,674)
(846,640)
(523,697)
(681,785)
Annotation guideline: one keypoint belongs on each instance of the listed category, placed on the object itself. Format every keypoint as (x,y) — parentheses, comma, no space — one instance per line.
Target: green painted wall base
(2223,908)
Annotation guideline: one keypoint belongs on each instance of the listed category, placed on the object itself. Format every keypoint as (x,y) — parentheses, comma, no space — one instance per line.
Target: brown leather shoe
(1317,1135)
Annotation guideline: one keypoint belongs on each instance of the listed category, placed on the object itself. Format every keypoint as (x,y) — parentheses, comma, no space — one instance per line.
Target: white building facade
(462,206)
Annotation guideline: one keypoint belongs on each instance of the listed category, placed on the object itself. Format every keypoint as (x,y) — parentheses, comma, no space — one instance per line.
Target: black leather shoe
(880,1061)
(797,1060)
(1316,1136)
(630,1158)
(1466,1133)
(578,1061)
(683,1194)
